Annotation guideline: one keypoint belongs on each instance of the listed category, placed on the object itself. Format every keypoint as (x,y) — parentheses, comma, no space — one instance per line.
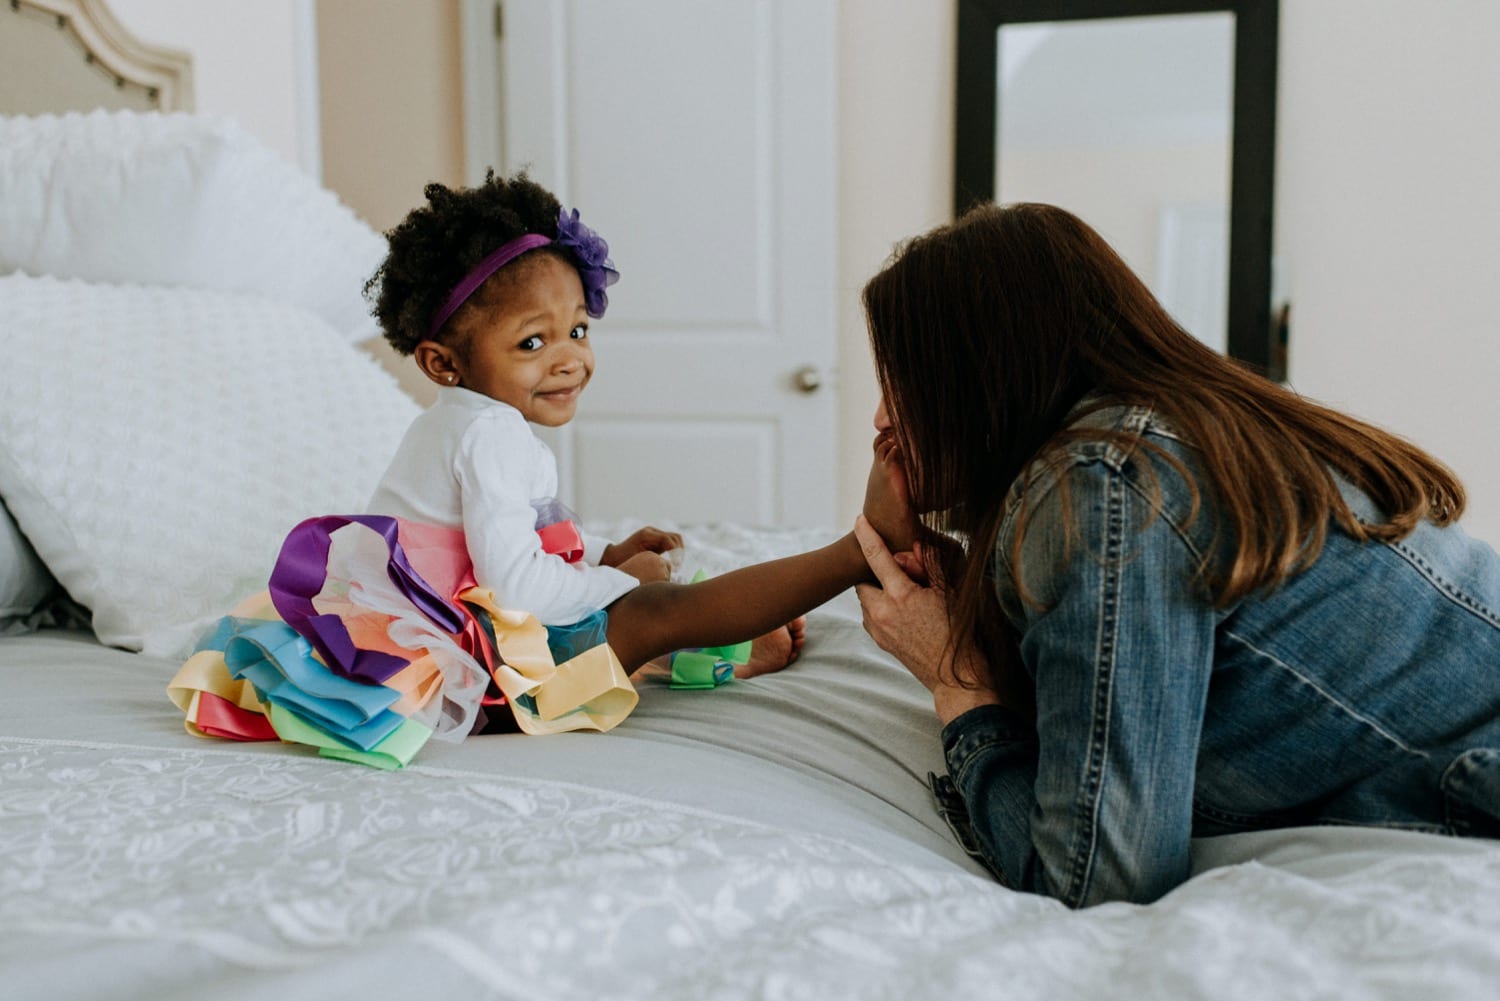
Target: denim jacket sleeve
(1094,802)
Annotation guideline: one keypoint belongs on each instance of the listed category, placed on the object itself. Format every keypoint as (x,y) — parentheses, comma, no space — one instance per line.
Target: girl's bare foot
(775,650)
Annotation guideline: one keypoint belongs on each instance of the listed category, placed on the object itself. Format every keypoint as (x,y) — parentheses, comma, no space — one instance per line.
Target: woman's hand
(909,620)
(644,540)
(887,497)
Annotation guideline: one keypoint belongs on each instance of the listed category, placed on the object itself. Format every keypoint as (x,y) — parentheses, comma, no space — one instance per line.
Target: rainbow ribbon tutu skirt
(373,638)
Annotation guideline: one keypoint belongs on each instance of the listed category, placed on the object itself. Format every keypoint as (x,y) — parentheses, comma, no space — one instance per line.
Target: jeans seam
(1170,521)
(1328,696)
(1457,814)
(1419,826)
(1248,820)
(1458,810)
(1449,590)
(967,749)
(955,814)
(1082,855)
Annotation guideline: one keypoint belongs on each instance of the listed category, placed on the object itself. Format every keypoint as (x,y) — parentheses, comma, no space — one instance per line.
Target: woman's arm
(1094,802)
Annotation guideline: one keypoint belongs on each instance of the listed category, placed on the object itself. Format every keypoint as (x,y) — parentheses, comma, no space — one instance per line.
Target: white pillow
(179,199)
(24,580)
(157,444)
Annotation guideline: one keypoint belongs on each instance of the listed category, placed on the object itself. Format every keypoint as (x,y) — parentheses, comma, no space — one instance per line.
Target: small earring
(452,379)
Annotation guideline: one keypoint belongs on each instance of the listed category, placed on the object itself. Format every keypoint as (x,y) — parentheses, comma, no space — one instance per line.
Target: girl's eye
(579,332)
(532,343)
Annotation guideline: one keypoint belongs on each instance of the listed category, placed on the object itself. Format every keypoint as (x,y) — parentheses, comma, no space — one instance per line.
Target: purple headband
(590,256)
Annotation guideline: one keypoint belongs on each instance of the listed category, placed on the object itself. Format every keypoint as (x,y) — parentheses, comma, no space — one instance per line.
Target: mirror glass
(1127,122)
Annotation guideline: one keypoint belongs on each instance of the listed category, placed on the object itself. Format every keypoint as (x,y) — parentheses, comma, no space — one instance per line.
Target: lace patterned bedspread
(134,872)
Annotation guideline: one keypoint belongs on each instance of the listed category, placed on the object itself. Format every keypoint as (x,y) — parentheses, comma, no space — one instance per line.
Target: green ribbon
(394,752)
(709,666)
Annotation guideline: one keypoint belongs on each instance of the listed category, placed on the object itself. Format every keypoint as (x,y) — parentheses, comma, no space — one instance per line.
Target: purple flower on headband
(591,255)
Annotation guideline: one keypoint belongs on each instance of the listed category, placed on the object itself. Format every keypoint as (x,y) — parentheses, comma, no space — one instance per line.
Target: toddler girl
(467,583)
(506,338)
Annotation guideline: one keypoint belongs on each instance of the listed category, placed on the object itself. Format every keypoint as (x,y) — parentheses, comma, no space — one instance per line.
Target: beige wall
(895,168)
(1387,208)
(390,102)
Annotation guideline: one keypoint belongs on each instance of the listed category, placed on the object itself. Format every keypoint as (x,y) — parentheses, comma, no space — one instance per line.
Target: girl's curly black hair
(438,243)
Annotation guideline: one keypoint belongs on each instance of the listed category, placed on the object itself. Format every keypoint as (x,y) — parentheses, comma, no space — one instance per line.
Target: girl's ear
(437,362)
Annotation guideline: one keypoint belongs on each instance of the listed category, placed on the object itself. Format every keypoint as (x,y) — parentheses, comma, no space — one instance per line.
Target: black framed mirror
(1249,331)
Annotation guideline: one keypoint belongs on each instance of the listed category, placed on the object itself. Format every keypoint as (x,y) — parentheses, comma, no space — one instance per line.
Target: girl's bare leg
(749,603)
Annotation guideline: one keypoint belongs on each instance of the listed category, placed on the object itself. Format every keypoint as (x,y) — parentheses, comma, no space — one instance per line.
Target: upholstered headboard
(73,55)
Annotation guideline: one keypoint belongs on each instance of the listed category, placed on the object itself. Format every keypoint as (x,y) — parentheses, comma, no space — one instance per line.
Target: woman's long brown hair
(987,331)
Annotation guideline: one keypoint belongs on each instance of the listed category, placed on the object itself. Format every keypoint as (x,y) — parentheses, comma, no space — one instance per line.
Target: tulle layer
(373,638)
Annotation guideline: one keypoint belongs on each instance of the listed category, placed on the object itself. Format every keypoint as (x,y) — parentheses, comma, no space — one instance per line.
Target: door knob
(808,379)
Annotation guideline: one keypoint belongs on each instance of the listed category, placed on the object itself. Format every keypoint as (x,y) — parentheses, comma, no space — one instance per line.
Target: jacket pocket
(1471,793)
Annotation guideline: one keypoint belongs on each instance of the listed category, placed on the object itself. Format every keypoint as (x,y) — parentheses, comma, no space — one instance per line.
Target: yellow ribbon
(589,692)
(205,671)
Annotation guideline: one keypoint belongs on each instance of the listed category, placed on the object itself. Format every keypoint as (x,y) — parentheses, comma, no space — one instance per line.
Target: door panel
(699,140)
(732,461)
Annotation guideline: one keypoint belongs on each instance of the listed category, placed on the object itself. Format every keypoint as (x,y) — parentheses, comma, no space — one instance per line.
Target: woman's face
(883,417)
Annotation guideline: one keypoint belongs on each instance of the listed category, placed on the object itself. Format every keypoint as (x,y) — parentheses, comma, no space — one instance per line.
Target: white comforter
(772,839)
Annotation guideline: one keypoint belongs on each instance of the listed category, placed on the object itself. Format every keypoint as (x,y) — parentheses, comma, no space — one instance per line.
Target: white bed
(164,409)
(771,839)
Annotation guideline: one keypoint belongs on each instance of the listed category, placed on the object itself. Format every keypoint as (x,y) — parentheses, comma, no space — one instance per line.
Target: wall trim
(480,80)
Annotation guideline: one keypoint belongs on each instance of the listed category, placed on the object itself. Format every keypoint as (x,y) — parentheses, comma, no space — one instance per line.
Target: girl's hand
(645,540)
(887,498)
(648,568)
(909,620)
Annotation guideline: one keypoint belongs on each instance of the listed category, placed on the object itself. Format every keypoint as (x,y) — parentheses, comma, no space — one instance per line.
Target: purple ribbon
(480,274)
(302,569)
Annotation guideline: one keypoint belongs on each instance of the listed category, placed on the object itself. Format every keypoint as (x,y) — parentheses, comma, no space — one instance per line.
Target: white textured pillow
(24,580)
(179,199)
(156,444)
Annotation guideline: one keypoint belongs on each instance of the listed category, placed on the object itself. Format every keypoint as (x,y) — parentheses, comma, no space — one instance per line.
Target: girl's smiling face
(526,346)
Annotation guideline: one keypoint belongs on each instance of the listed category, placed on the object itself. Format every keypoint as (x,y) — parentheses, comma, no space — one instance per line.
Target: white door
(698,137)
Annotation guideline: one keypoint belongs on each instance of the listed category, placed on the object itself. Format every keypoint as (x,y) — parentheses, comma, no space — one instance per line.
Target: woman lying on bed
(1195,603)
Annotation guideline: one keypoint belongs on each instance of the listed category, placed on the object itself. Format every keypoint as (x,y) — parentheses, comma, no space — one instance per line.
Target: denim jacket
(1364,690)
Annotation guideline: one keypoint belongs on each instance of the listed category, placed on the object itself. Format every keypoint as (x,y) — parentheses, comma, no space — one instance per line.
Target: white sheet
(773,838)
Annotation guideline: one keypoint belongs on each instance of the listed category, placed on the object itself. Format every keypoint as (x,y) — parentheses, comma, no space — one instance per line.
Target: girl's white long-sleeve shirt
(473,463)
